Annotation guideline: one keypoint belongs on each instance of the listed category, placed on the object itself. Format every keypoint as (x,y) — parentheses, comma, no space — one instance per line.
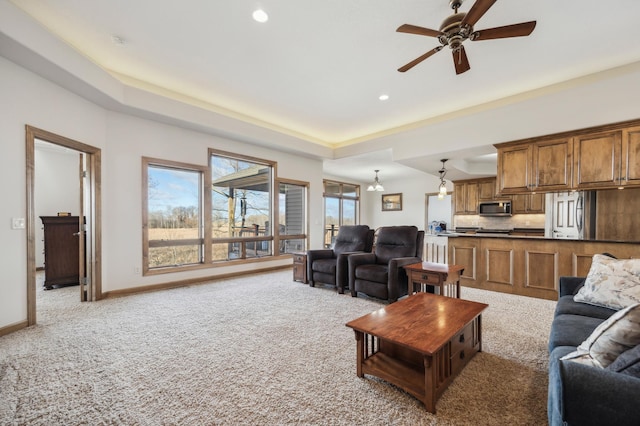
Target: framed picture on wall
(391,202)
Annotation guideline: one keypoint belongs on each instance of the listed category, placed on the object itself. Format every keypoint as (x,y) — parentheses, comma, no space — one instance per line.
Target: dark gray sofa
(581,394)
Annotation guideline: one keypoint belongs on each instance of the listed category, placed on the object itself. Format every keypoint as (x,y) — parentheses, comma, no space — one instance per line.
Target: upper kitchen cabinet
(527,203)
(601,157)
(598,160)
(486,189)
(514,168)
(552,165)
(631,156)
(535,166)
(465,196)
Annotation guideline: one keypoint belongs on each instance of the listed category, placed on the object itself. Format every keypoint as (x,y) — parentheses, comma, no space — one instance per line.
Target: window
(341,207)
(195,216)
(292,215)
(241,200)
(172,214)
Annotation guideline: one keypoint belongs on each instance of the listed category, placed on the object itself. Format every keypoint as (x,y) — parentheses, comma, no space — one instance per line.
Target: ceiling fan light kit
(457,28)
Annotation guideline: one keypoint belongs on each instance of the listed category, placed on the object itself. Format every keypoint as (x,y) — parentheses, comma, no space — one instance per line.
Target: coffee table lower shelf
(425,376)
(397,372)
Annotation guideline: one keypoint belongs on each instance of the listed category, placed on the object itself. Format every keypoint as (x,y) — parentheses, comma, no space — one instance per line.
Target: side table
(300,267)
(445,277)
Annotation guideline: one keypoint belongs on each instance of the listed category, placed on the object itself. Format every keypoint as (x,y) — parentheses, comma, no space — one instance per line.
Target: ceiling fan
(458,27)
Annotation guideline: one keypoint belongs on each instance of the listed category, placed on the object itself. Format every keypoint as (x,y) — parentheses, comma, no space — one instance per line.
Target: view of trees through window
(241,208)
(196,215)
(174,220)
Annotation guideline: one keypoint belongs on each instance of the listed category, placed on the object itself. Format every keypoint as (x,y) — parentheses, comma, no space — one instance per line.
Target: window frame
(244,241)
(204,219)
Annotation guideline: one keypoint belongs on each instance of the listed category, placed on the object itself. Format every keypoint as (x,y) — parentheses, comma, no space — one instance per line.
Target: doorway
(89,175)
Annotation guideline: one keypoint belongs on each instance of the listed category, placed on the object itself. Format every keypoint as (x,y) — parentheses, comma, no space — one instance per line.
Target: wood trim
(215,264)
(213,151)
(13,328)
(95,157)
(188,282)
(277,236)
(204,174)
(571,133)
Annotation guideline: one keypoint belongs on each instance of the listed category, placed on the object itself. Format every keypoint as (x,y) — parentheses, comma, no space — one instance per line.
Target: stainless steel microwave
(495,208)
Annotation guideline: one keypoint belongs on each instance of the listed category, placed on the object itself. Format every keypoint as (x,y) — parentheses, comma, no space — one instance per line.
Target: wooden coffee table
(419,343)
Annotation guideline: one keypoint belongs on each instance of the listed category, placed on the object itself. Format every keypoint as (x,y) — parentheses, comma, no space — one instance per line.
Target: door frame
(94,213)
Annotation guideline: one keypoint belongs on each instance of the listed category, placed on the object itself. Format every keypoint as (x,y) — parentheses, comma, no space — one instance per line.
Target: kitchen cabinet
(527,203)
(603,157)
(514,168)
(631,156)
(465,197)
(527,266)
(535,166)
(598,160)
(487,189)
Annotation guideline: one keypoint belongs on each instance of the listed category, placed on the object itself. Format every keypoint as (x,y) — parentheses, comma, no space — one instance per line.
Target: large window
(341,207)
(233,210)
(241,200)
(173,216)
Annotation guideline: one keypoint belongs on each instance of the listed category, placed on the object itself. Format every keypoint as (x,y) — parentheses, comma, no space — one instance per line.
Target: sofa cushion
(612,283)
(615,335)
(566,305)
(627,363)
(571,330)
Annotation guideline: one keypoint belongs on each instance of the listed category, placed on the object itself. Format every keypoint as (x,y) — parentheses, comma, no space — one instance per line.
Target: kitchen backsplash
(509,222)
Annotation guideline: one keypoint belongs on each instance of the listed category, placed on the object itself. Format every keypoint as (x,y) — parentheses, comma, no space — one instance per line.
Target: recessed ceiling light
(383,97)
(117,40)
(260,15)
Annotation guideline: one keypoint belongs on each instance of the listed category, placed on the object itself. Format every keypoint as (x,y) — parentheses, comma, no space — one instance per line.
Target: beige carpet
(260,350)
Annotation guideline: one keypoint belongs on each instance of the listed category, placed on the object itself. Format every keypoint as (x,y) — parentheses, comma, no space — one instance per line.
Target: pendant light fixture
(442,189)
(376,185)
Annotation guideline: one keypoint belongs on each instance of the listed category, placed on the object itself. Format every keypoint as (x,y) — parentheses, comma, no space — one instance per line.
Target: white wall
(29,99)
(57,189)
(129,139)
(413,191)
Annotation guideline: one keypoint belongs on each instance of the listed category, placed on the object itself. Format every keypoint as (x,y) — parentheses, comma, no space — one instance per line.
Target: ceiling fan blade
(515,30)
(420,59)
(460,60)
(478,9)
(413,29)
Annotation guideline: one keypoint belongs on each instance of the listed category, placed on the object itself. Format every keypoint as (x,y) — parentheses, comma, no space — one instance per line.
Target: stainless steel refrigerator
(570,215)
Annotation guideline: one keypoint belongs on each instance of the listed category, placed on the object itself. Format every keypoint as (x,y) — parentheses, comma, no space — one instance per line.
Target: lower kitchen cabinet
(528,266)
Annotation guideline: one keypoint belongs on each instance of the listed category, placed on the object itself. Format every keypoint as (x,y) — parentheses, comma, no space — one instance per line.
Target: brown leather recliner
(329,266)
(381,274)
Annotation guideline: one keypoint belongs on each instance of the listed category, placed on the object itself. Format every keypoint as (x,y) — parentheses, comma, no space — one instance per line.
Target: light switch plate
(17,223)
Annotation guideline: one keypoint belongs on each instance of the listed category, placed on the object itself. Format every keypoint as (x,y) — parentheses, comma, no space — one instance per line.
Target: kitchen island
(523,264)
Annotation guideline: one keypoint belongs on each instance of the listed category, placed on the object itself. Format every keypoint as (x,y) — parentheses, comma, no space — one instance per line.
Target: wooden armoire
(61,251)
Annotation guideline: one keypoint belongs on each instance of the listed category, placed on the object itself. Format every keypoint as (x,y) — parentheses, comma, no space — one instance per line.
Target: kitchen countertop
(522,237)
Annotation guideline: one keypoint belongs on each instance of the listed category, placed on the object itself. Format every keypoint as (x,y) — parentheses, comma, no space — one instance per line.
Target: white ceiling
(316,68)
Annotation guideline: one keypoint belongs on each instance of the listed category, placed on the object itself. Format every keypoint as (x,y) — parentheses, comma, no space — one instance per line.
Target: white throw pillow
(612,283)
(621,331)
